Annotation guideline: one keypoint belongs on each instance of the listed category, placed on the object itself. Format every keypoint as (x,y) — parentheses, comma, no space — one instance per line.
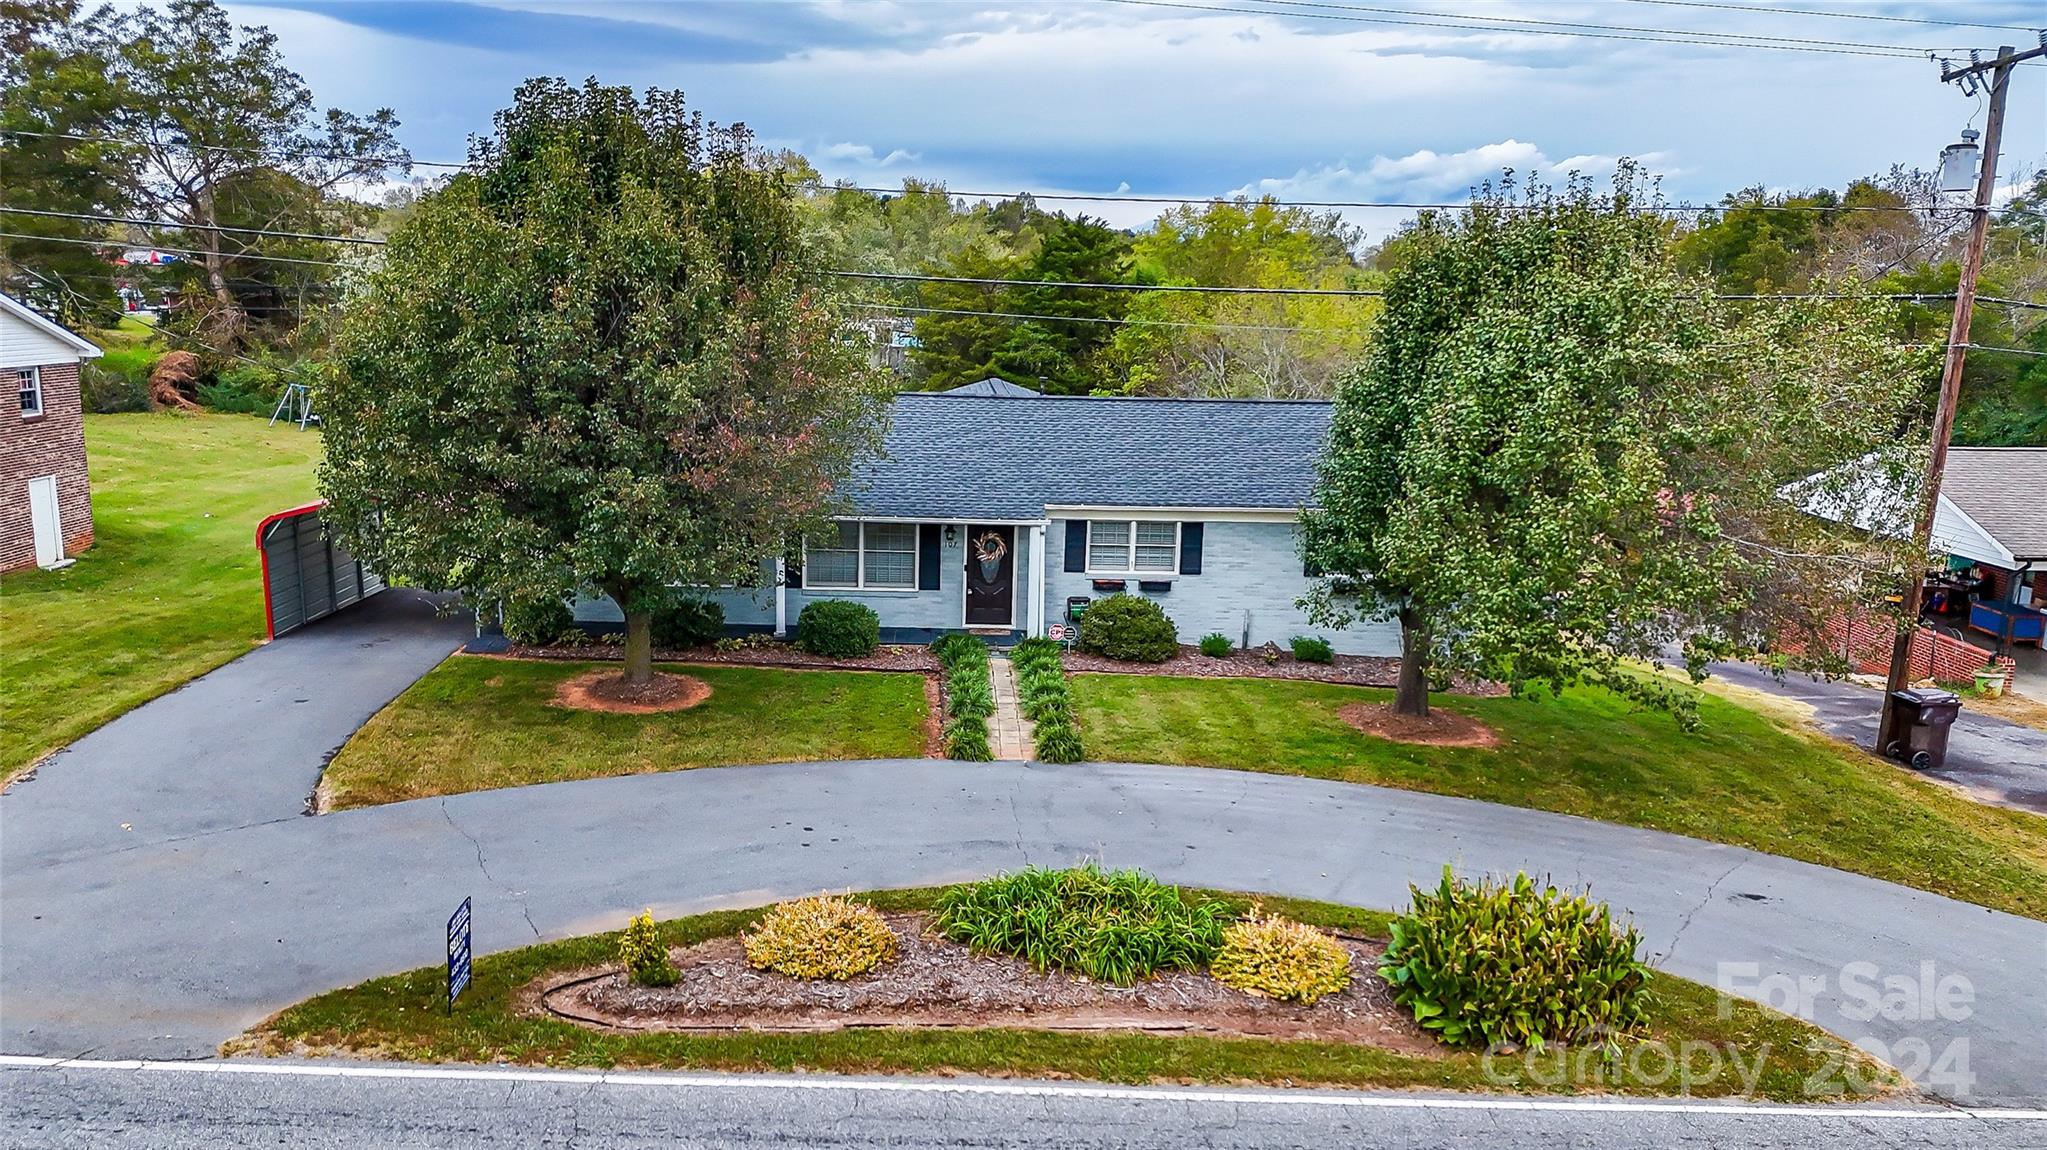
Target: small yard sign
(458,953)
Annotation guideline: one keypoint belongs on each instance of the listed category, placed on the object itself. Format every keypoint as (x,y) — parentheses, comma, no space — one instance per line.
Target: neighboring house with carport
(1985,596)
(45,492)
(997,510)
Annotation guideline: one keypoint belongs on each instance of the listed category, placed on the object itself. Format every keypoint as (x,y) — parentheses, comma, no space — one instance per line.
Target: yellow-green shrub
(821,937)
(1275,957)
(644,954)
(1512,963)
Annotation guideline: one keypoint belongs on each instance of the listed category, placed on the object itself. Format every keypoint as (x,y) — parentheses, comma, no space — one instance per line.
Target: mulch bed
(607,690)
(933,983)
(1268,662)
(914,659)
(1439,728)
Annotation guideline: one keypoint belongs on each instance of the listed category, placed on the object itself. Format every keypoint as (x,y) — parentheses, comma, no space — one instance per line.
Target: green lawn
(1741,780)
(405,1017)
(476,723)
(170,588)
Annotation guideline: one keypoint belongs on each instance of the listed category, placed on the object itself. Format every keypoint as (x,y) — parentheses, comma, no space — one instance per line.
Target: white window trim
(860,564)
(1129,569)
(34,382)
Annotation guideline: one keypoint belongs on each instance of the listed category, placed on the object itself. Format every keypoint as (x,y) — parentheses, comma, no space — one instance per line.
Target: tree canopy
(602,357)
(1561,452)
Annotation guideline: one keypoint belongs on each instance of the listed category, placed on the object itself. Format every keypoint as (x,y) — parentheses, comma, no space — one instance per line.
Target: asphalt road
(308,1107)
(1993,759)
(160,892)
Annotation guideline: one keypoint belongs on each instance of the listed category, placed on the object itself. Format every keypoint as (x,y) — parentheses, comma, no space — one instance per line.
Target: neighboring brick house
(45,494)
(993,507)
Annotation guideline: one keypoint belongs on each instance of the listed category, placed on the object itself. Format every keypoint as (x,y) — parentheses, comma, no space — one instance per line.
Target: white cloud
(862,155)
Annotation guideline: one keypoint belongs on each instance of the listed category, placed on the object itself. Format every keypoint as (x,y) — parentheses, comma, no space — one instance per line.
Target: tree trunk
(1411,697)
(639,647)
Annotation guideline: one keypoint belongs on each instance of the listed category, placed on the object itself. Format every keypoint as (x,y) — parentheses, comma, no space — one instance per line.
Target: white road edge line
(1013,1089)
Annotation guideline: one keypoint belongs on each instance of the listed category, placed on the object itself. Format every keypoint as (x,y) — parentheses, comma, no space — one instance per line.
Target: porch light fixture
(952,535)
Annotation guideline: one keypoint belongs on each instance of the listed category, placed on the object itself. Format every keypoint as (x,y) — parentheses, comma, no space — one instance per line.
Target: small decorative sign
(1057,632)
(458,953)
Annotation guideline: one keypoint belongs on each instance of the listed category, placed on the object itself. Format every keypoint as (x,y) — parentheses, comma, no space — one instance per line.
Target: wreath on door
(989,548)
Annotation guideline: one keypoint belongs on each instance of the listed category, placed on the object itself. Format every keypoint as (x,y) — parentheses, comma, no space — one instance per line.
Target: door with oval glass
(991,576)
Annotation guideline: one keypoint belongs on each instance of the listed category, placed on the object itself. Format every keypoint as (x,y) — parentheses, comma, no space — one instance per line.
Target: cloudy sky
(1358,100)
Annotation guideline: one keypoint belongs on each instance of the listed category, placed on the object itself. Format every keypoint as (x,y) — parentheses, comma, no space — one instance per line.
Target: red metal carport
(307,574)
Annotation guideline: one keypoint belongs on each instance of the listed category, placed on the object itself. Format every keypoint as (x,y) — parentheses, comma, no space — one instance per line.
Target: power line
(1116,197)
(174,251)
(1765,40)
(175,224)
(993,282)
(1765,9)
(1087,318)
(1892,52)
(387,161)
(1409,205)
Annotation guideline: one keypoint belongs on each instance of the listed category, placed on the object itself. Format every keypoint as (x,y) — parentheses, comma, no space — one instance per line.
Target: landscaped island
(1193,986)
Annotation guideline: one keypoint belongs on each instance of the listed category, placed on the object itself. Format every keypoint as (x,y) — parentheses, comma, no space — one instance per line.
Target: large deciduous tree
(1561,453)
(218,132)
(601,357)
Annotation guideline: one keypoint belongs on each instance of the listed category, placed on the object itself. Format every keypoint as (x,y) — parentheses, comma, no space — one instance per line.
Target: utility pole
(1999,71)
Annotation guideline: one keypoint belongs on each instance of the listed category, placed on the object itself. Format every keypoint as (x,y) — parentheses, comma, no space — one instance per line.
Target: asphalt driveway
(219,902)
(1993,759)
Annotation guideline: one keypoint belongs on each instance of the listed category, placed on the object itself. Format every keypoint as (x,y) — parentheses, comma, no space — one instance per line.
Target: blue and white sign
(458,952)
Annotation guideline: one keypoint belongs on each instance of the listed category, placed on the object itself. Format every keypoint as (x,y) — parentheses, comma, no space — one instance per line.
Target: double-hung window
(31,382)
(1140,546)
(864,556)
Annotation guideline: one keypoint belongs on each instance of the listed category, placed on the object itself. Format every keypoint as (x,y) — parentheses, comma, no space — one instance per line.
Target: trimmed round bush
(1129,627)
(838,629)
(643,954)
(1113,926)
(689,623)
(1274,957)
(1215,645)
(536,622)
(821,937)
(1510,963)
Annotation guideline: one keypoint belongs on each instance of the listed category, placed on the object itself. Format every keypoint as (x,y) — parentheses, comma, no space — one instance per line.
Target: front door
(47,524)
(991,576)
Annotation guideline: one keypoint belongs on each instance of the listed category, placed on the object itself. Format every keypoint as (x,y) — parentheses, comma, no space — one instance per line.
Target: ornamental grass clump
(825,936)
(643,954)
(1042,694)
(969,697)
(1112,926)
(1274,957)
(1513,964)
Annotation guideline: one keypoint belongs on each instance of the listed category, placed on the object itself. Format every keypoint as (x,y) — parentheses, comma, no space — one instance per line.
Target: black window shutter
(927,556)
(1190,548)
(1076,545)
(792,567)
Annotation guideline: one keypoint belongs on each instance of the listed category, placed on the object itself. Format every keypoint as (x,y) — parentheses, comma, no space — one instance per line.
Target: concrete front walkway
(1994,760)
(218,903)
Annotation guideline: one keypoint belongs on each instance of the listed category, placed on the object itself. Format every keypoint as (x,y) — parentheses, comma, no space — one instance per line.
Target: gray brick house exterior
(45,491)
(1192,503)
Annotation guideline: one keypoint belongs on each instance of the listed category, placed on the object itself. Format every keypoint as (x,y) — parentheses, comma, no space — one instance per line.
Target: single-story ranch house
(1002,511)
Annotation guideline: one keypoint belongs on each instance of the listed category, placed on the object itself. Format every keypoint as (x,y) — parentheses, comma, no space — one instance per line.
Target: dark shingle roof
(953,456)
(993,386)
(2004,489)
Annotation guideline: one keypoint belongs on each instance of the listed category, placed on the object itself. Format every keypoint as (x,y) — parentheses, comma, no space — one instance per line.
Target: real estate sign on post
(458,953)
